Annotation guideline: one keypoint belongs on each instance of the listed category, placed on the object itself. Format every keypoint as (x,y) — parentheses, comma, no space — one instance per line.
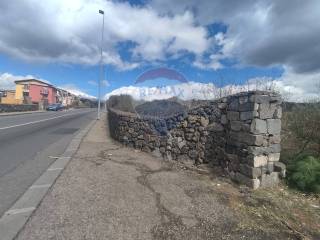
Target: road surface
(29,143)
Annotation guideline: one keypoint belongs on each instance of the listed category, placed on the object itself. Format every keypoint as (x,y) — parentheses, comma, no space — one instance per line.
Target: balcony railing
(44,91)
(25,88)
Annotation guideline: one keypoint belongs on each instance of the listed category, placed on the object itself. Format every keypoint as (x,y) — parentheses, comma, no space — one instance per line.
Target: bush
(161,108)
(304,174)
(303,121)
(121,102)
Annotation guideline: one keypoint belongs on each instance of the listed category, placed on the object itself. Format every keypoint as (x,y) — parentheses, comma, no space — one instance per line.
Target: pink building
(35,91)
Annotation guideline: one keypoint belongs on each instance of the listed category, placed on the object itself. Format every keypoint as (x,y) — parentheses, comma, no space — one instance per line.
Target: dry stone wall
(18,108)
(240,133)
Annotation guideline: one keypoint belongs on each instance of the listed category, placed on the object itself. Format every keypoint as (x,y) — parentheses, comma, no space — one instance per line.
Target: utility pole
(101,65)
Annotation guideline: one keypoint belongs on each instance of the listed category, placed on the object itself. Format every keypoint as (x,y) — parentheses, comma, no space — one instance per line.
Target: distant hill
(290,106)
(161,108)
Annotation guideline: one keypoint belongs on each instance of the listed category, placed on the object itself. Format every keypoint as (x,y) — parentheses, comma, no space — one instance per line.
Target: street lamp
(101,65)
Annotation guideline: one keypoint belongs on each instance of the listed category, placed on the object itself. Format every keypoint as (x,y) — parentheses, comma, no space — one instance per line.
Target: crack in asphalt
(173,226)
(168,219)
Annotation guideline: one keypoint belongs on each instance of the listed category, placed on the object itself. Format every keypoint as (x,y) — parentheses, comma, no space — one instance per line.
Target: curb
(19,113)
(14,219)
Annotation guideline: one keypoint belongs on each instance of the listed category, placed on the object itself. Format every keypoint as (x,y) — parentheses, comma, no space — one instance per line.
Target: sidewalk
(111,192)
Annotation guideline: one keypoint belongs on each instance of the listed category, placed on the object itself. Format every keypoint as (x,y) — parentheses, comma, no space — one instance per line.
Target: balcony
(26,88)
(44,91)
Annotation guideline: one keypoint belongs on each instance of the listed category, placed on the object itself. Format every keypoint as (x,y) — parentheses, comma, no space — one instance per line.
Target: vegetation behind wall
(301,145)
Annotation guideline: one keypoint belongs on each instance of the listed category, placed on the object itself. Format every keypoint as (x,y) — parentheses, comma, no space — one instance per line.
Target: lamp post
(101,65)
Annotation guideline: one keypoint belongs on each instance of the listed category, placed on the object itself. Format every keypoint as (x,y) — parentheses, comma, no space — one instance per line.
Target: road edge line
(6,114)
(39,121)
(11,224)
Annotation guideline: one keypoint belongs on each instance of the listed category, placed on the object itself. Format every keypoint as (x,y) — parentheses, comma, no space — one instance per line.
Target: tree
(121,102)
(304,123)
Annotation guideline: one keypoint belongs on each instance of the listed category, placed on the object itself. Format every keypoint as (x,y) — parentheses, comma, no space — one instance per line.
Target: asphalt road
(29,143)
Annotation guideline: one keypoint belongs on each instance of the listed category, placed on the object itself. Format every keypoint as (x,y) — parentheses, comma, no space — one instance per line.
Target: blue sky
(204,40)
(80,76)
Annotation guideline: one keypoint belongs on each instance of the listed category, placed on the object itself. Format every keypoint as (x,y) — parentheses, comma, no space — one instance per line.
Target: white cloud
(185,91)
(92,83)
(212,63)
(104,83)
(263,33)
(259,32)
(69,32)
(292,86)
(297,87)
(225,47)
(7,80)
(76,91)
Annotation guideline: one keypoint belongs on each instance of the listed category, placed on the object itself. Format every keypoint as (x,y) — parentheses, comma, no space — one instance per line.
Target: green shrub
(304,174)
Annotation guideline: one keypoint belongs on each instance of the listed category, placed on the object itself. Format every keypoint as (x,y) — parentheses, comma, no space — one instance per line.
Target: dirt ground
(112,192)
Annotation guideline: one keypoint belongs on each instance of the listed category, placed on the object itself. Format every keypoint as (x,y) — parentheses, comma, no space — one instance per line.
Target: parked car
(55,107)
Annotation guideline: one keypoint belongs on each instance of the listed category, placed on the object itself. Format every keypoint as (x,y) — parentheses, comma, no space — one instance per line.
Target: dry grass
(280,210)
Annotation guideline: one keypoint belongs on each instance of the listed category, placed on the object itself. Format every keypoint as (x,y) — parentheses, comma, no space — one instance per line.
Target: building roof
(61,89)
(34,80)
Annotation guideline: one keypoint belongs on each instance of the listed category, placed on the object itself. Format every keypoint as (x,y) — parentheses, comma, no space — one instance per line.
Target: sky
(216,43)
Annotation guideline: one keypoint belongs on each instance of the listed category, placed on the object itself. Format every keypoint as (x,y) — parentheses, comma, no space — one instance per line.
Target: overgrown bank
(301,145)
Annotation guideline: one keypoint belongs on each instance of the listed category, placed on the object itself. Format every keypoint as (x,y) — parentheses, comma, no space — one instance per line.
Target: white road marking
(58,157)
(21,210)
(40,186)
(72,149)
(54,169)
(42,120)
